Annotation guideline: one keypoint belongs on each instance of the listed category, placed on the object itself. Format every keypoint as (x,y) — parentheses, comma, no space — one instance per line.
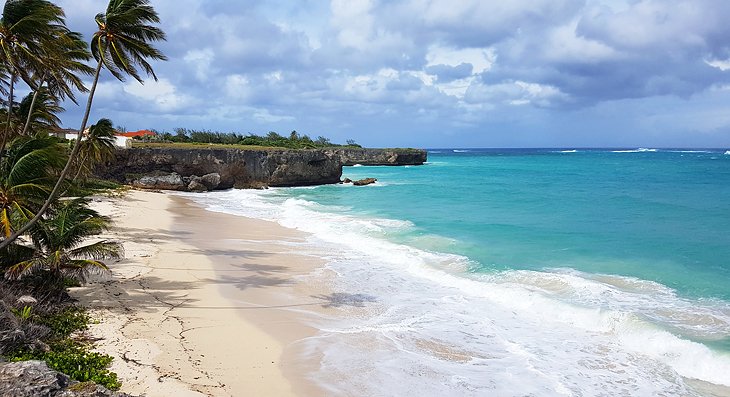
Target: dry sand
(200,304)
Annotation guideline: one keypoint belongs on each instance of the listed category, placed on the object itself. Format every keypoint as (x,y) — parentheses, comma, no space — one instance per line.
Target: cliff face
(252,168)
(352,156)
(237,168)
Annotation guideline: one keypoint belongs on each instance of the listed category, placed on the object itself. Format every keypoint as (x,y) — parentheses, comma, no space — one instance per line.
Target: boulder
(196,186)
(347,180)
(363,182)
(35,379)
(163,181)
(30,379)
(211,181)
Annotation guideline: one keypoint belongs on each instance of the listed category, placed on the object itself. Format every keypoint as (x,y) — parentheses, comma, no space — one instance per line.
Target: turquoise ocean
(512,272)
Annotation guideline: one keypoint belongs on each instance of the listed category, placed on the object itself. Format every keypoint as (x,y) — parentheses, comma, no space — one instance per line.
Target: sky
(433,73)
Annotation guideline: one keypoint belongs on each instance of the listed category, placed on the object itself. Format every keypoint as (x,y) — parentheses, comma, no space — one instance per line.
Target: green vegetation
(270,140)
(45,218)
(69,354)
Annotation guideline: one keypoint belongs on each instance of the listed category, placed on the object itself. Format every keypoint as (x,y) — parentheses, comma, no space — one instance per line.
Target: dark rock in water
(35,379)
(196,186)
(211,181)
(347,180)
(363,182)
(160,180)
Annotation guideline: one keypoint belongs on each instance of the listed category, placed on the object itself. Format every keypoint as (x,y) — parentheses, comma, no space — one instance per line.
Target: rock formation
(176,168)
(363,182)
(35,379)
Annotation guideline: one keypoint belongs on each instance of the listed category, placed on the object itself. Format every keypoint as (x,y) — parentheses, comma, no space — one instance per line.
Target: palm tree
(122,44)
(63,63)
(26,28)
(26,178)
(58,243)
(97,148)
(39,110)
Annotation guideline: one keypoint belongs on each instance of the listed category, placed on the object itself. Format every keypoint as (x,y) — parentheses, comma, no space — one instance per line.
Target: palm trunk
(32,105)
(66,169)
(81,166)
(10,110)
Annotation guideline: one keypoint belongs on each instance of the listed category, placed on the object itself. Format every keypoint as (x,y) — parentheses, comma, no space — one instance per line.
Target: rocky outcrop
(35,379)
(353,156)
(159,180)
(176,168)
(234,167)
(363,182)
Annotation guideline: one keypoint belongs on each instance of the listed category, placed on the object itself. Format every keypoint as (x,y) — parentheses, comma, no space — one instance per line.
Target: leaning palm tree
(63,64)
(122,45)
(26,28)
(58,243)
(97,148)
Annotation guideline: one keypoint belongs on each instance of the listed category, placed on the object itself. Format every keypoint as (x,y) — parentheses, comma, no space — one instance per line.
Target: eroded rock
(363,182)
(163,181)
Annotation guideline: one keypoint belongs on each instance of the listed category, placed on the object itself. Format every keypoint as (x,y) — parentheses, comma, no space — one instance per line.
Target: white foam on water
(419,324)
(727,153)
(639,150)
(460,151)
(568,151)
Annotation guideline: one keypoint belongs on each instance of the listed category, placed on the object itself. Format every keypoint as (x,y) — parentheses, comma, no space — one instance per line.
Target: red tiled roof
(136,133)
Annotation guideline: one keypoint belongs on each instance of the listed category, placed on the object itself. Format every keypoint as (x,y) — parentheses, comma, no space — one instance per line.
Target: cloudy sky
(435,73)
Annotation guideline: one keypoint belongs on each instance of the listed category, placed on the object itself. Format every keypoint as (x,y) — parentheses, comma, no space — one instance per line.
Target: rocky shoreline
(205,169)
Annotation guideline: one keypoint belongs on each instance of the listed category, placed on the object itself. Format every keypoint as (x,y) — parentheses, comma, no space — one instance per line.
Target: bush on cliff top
(272,139)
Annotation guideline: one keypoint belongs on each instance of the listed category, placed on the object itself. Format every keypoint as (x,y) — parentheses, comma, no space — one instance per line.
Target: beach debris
(363,182)
(27,300)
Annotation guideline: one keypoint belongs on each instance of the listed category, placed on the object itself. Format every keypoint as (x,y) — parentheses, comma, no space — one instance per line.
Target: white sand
(198,306)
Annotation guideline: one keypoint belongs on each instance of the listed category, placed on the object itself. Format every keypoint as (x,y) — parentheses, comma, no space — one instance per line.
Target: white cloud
(201,61)
(719,64)
(515,93)
(481,59)
(354,21)
(237,86)
(162,93)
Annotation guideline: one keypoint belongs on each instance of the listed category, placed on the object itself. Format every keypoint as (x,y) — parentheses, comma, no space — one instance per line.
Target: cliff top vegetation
(194,138)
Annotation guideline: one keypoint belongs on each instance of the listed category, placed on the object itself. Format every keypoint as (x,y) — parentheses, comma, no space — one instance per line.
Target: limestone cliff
(249,168)
(352,156)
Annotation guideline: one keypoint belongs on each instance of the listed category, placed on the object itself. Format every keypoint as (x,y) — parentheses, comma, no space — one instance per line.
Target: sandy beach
(200,303)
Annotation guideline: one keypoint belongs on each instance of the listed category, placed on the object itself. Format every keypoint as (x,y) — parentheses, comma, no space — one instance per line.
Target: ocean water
(520,272)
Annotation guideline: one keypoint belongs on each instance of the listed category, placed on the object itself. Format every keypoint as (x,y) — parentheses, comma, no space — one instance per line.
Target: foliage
(48,331)
(97,147)
(26,178)
(58,243)
(43,112)
(272,139)
(122,42)
(24,313)
(66,321)
(75,359)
